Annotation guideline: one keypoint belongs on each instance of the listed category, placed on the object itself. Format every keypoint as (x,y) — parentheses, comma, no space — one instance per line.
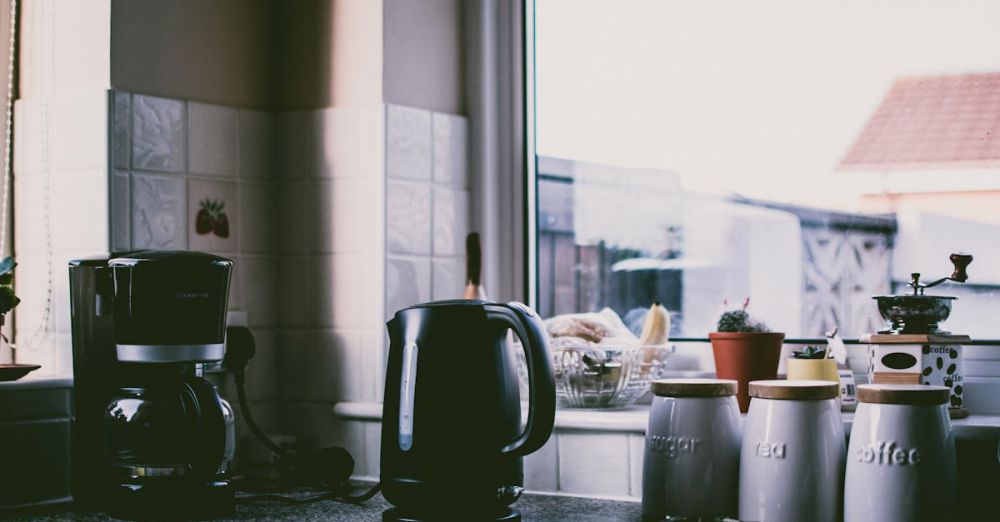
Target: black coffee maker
(452,443)
(152,439)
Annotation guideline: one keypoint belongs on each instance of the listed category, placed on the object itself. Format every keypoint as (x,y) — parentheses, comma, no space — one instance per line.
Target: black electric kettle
(452,442)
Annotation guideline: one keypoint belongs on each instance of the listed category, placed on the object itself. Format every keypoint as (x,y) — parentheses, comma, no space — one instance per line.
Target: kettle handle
(542,408)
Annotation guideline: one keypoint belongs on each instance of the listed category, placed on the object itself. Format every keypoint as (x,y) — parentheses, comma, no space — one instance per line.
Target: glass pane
(805,155)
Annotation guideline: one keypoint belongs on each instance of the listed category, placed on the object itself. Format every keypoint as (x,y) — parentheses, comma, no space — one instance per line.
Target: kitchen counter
(532,507)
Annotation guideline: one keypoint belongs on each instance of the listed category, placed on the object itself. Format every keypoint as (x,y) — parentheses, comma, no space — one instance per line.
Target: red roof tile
(932,122)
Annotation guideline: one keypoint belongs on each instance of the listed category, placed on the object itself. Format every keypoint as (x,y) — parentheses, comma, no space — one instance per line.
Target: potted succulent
(812,364)
(745,350)
(7,298)
(9,372)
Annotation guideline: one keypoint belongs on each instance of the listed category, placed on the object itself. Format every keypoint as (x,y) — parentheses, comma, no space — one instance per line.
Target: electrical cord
(331,466)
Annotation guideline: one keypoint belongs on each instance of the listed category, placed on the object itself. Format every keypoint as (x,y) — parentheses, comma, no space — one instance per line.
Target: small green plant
(739,321)
(810,352)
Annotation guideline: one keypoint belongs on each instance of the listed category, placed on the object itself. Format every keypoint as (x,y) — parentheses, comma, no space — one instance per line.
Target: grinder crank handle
(961,261)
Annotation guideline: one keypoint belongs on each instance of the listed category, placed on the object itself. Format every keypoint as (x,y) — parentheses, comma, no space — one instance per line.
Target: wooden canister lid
(912,394)
(794,390)
(693,387)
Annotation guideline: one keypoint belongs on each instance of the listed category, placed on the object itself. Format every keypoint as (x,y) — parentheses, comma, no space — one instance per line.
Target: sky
(755,97)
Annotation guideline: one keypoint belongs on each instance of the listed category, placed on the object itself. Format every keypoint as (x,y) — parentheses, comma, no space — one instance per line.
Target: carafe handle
(542,407)
(209,440)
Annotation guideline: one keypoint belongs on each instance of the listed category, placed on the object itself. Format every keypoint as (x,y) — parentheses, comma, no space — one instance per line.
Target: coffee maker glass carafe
(452,438)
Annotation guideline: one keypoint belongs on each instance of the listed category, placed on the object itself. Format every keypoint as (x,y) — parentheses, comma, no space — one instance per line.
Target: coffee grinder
(914,349)
(152,439)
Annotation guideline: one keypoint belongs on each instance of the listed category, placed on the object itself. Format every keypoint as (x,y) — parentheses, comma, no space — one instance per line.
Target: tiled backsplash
(336,218)
(363,193)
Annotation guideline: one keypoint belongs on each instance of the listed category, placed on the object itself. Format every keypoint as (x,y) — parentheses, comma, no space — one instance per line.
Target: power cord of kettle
(339,484)
(333,464)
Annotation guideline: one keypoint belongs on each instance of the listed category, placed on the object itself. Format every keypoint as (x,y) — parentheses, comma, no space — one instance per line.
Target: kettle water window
(809,160)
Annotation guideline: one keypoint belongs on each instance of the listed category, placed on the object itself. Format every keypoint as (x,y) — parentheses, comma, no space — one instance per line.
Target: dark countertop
(532,508)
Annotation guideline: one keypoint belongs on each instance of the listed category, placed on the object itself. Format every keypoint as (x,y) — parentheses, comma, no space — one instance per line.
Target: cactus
(739,320)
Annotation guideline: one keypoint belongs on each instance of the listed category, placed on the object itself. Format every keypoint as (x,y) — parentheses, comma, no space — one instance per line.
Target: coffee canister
(792,455)
(901,459)
(691,460)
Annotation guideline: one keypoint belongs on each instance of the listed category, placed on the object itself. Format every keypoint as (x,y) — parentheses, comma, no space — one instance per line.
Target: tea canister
(901,459)
(691,460)
(792,454)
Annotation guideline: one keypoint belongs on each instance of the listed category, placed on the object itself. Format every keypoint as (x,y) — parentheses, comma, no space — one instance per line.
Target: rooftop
(931,122)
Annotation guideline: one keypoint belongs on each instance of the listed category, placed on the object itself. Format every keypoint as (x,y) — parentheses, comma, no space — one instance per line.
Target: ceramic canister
(901,460)
(691,460)
(792,456)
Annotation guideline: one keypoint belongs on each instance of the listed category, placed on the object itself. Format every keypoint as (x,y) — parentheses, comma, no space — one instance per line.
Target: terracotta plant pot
(745,357)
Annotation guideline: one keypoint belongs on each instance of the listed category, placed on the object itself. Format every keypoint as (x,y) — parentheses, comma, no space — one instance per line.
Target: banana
(656,327)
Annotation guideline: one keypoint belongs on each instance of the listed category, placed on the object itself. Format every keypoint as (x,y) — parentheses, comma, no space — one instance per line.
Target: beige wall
(297,54)
(329,54)
(216,51)
(423,65)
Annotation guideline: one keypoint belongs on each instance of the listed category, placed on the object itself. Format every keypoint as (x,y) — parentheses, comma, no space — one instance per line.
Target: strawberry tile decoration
(212,218)
(213,213)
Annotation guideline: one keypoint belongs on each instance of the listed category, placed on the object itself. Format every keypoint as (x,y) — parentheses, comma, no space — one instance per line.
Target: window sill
(633,420)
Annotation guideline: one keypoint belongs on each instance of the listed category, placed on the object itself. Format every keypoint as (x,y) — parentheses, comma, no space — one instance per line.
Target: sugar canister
(691,460)
(792,456)
(901,459)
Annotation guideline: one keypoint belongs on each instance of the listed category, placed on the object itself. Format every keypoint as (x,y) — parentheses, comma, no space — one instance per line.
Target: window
(806,155)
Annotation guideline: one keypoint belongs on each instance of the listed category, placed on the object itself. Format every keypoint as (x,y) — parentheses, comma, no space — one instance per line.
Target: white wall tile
(121,210)
(158,134)
(451,221)
(75,223)
(373,449)
(636,453)
(213,136)
(341,216)
(373,143)
(159,205)
(407,282)
(408,143)
(293,291)
(541,468)
(338,143)
(28,145)
(593,464)
(29,222)
(450,149)
(293,218)
(262,370)
(335,284)
(257,144)
(259,291)
(333,367)
(292,355)
(448,280)
(258,218)
(213,231)
(121,129)
(295,141)
(79,133)
(408,218)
